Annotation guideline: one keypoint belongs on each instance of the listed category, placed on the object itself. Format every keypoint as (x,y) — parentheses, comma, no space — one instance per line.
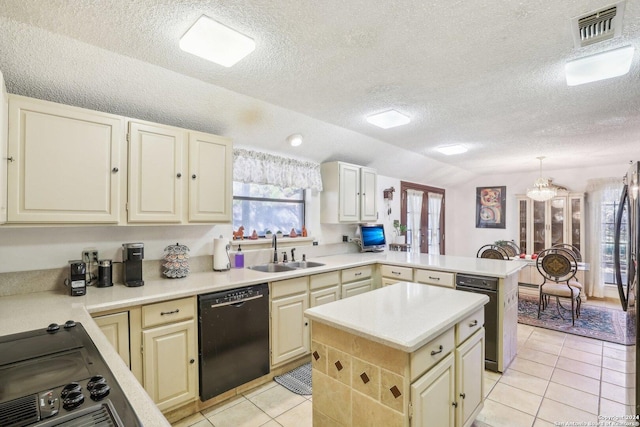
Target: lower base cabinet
(289,328)
(116,328)
(168,362)
(451,393)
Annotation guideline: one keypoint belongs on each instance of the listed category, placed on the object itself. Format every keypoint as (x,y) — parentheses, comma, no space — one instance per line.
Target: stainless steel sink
(303,264)
(272,268)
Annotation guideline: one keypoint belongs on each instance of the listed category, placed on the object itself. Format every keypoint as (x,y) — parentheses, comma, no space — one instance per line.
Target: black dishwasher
(233,338)
(489,287)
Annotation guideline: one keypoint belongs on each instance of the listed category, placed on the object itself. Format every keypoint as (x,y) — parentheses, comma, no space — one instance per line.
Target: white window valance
(262,168)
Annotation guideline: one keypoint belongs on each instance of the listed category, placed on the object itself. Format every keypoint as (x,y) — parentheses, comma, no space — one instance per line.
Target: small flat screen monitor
(372,238)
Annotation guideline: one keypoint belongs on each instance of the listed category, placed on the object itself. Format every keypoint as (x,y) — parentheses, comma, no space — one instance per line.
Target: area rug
(596,322)
(297,380)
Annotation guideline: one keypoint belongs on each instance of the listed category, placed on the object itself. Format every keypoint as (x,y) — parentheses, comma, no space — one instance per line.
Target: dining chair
(510,247)
(573,249)
(558,266)
(492,251)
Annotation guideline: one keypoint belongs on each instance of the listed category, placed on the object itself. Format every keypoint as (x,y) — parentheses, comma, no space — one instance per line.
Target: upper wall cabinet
(65,165)
(544,224)
(155,173)
(349,193)
(167,163)
(210,178)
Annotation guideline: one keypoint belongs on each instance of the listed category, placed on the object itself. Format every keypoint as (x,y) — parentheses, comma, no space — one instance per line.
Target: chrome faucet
(274,245)
(293,256)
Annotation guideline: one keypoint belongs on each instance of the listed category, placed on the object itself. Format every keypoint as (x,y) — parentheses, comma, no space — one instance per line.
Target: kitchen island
(405,351)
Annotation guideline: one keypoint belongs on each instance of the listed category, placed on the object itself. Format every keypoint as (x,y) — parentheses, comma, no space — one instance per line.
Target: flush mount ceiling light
(542,189)
(295,139)
(450,150)
(601,66)
(388,119)
(215,42)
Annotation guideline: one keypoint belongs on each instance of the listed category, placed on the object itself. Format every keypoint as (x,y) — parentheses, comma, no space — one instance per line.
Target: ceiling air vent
(594,27)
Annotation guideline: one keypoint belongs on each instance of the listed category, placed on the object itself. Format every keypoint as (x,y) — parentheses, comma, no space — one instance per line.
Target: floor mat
(596,322)
(297,380)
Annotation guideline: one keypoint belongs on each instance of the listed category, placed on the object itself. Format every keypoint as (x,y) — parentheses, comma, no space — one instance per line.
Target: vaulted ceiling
(486,74)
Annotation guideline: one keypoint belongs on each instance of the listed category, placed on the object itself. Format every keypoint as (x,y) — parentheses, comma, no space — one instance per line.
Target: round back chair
(558,266)
(575,251)
(509,247)
(492,252)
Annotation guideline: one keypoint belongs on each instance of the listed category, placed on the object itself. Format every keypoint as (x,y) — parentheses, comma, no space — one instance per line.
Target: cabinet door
(368,184)
(469,378)
(66,163)
(169,368)
(324,296)
(116,328)
(155,173)
(557,220)
(355,288)
(387,281)
(432,396)
(4,116)
(210,180)
(349,209)
(289,328)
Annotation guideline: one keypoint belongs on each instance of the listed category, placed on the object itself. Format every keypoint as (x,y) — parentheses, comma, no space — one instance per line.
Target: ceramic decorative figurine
(293,233)
(304,232)
(254,235)
(239,235)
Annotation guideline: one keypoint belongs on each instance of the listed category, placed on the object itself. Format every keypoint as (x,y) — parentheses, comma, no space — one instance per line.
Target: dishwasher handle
(236,303)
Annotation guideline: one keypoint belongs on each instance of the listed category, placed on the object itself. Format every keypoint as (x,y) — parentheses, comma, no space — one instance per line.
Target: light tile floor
(555,378)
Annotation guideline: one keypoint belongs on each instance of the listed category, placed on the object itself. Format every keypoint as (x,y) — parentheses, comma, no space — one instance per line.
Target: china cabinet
(544,224)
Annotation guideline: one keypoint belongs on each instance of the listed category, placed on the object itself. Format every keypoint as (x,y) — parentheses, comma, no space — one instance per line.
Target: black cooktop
(56,376)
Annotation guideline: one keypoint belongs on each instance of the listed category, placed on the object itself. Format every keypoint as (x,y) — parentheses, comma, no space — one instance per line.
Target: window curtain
(414,213)
(599,192)
(262,168)
(435,207)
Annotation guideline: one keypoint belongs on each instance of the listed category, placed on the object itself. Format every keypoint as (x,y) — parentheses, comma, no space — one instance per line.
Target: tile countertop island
(372,352)
(19,313)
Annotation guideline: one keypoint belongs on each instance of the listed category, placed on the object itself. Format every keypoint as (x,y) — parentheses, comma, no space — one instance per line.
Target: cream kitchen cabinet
(210,178)
(4,116)
(393,274)
(356,280)
(324,288)
(156,173)
(544,224)
(169,352)
(177,175)
(65,163)
(451,393)
(432,277)
(289,328)
(349,193)
(116,328)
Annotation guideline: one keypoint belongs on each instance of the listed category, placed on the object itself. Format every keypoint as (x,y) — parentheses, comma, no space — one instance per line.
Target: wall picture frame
(490,207)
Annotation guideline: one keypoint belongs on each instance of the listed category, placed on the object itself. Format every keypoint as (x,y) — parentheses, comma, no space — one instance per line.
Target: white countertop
(20,313)
(404,316)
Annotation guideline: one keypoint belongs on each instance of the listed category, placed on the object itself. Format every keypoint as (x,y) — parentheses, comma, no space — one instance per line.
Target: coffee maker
(77,280)
(132,256)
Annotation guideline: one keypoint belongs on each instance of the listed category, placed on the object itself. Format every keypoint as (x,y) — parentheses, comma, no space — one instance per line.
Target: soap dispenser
(239,258)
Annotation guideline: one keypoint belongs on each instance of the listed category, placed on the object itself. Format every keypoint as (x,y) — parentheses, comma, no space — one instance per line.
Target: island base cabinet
(432,396)
(469,379)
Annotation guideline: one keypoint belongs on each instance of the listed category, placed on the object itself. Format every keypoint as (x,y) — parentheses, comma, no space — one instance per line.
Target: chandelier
(542,189)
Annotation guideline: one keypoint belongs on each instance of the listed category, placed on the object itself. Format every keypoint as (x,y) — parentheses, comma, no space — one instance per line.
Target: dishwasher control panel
(237,295)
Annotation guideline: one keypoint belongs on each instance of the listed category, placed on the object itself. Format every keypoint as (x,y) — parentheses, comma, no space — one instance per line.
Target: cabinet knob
(192,361)
(306,323)
(193,176)
(455,404)
(463,395)
(179,175)
(115,170)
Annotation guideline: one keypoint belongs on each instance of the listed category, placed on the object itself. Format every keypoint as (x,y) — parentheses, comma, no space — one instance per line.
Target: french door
(422,210)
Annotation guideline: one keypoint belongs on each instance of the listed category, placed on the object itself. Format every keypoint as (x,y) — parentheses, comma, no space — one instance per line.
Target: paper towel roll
(221,254)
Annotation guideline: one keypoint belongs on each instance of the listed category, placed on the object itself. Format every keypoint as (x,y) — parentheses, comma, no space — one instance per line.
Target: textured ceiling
(488,74)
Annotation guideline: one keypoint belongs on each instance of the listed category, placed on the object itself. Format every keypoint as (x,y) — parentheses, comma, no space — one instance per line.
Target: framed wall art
(490,207)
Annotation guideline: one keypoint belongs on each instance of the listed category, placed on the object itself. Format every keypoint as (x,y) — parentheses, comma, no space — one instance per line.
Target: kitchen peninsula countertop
(404,316)
(25,312)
